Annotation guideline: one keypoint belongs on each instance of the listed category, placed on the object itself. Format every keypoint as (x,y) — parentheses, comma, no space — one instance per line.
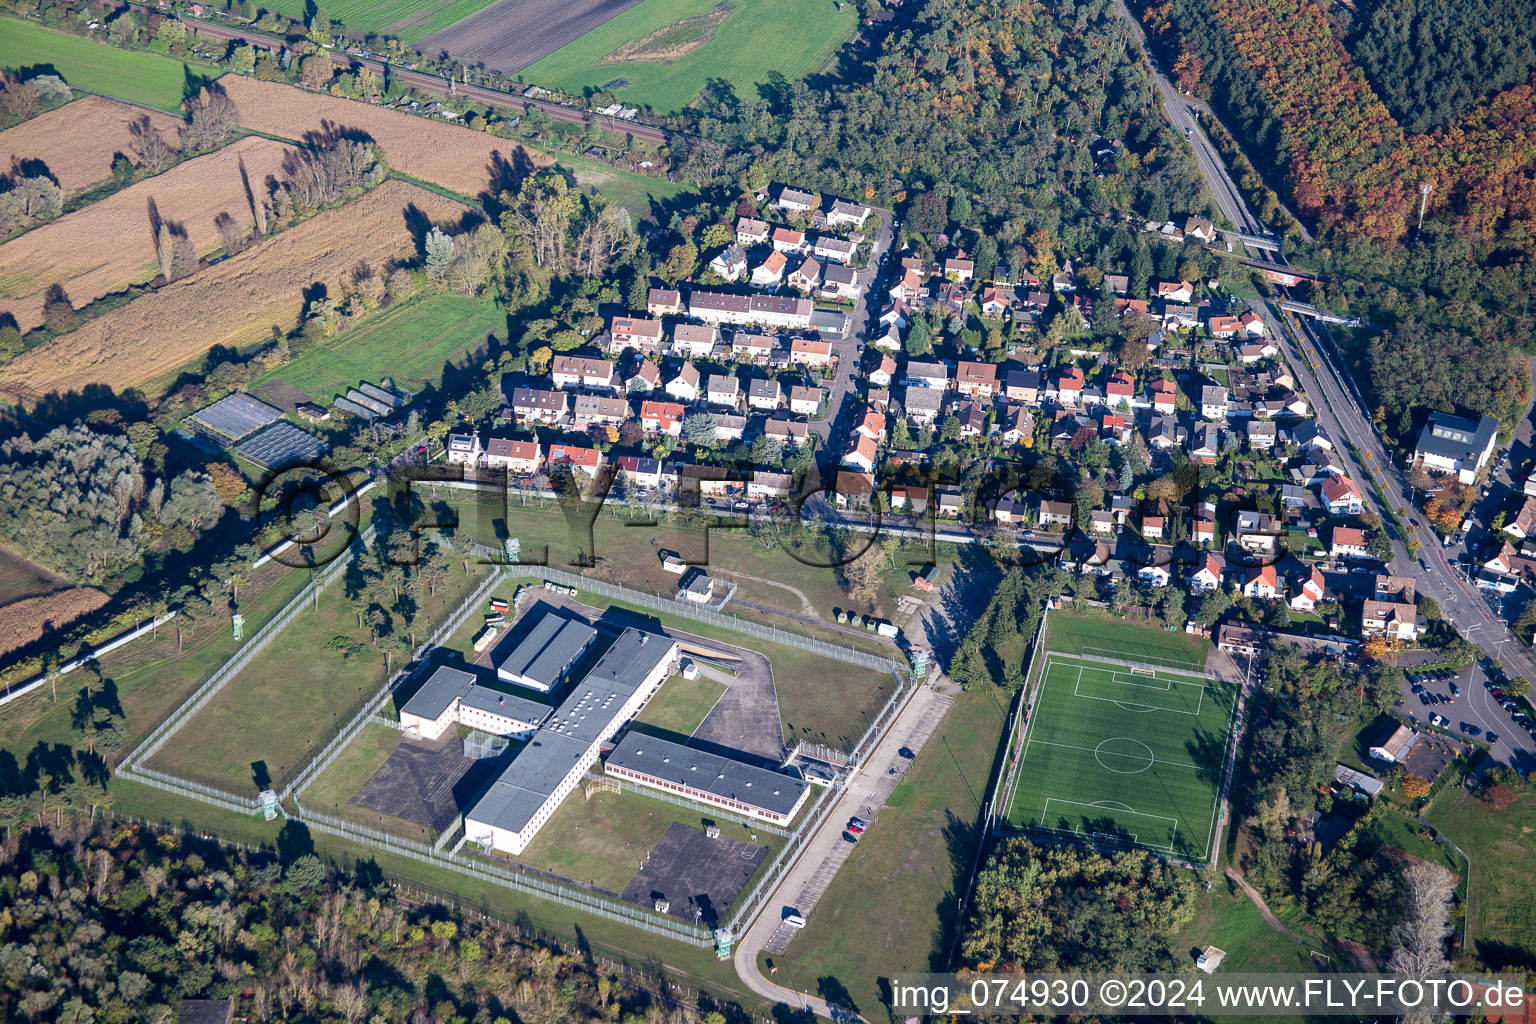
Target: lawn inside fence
(1127,756)
(333,789)
(751,43)
(680,705)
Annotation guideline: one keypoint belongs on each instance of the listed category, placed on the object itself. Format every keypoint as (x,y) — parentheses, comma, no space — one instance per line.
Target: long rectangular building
(769,310)
(707,778)
(545,772)
(450,695)
(547,653)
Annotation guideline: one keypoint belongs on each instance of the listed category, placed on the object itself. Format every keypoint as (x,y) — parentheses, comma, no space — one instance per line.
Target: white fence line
(336,509)
(26,686)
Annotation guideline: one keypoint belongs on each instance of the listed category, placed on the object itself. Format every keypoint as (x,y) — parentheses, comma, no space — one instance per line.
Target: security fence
(197,791)
(748,906)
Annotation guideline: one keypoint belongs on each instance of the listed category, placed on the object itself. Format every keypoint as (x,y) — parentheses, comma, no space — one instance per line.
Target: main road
(1340,410)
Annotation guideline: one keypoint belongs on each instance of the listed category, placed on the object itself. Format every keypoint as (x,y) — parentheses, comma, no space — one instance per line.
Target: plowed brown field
(234,302)
(107,246)
(456,158)
(78,142)
(24,621)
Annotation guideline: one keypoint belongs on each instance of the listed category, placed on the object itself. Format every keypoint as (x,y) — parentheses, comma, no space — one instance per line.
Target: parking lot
(1472,706)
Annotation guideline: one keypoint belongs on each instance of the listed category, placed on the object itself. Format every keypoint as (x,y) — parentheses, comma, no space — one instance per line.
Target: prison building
(531,788)
(452,696)
(708,778)
(547,653)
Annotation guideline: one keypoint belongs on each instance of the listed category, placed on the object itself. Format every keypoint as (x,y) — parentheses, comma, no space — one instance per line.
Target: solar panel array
(282,445)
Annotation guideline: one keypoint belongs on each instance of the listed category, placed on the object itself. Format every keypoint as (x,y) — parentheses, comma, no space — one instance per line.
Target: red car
(855,828)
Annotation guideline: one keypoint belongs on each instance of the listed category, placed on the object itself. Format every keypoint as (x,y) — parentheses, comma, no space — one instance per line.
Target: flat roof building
(544,772)
(452,696)
(708,778)
(547,653)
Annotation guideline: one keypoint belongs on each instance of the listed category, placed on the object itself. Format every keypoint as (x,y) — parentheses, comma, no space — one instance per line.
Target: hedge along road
(434,84)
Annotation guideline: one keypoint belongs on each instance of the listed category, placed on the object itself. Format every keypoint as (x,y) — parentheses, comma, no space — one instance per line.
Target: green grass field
(1127,756)
(1502,846)
(681,704)
(408,20)
(137,77)
(409,344)
(754,41)
(628,189)
(1099,634)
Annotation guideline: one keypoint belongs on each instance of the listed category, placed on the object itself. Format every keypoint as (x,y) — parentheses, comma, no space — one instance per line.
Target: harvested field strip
(22,578)
(110,245)
(673,41)
(234,302)
(407,20)
(130,75)
(467,162)
(25,621)
(77,142)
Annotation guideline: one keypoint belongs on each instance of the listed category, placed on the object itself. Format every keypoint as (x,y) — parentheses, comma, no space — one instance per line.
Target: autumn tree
(147,147)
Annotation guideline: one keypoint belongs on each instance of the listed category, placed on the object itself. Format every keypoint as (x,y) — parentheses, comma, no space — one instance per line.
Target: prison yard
(1126,742)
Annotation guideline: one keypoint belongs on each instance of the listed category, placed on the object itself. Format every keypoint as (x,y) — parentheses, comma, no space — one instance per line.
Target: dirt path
(1258,901)
(806,608)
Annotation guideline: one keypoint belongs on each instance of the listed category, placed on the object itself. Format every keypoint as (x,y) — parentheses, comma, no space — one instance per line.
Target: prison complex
(707,778)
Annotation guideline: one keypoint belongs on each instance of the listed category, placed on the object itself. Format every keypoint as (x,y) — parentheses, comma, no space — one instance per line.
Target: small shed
(1210,958)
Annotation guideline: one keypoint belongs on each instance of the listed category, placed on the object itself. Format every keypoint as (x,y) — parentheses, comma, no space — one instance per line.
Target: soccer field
(1134,756)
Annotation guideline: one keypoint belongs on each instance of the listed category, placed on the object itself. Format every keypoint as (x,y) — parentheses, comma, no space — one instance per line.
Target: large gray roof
(1452,437)
(531,778)
(498,702)
(548,650)
(446,684)
(721,777)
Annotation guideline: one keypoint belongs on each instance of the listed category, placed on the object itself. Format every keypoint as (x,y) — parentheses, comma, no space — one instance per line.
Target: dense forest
(1432,61)
(979,115)
(118,924)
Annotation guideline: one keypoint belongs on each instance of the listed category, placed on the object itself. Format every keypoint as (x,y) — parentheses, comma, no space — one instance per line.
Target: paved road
(1340,410)
(864,794)
(842,406)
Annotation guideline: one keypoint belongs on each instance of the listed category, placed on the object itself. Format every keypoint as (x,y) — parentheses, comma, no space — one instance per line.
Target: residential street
(833,428)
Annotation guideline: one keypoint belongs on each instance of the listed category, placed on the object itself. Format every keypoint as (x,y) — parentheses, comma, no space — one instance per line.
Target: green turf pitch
(1112,754)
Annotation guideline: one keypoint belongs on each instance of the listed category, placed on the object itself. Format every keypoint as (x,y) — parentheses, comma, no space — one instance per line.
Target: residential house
(1395,588)
(463,449)
(1065,279)
(835,250)
(1253,325)
(516,457)
(1007,511)
(1164,397)
(845,214)
(787,241)
(769,484)
(1200,228)
(958,268)
(1451,444)
(976,380)
(1394,620)
(598,410)
(996,302)
(972,419)
(1523,525)
(1101,522)
(1348,542)
(723,390)
(1213,402)
(1055,513)
(1155,574)
(871,425)
(881,375)
(730,426)
(640,472)
(1222,326)
(805,401)
(1017,424)
(853,489)
(770,273)
(749,347)
(1261,582)
(840,283)
(694,341)
(1207,575)
(662,418)
(807,276)
(909,289)
(664,302)
(1069,386)
(642,335)
(793,201)
(862,453)
(1261,435)
(764,394)
(1165,433)
(792,433)
(951,502)
(1175,291)
(927,375)
(730,263)
(909,498)
(784,311)
(532,405)
(1341,496)
(1205,446)
(922,404)
(1022,386)
(1118,283)
(646,378)
(810,352)
(1119,390)
(1256,532)
(1178,318)
(1204,531)
(569,371)
(750,232)
(1306,589)
(580,460)
(685,386)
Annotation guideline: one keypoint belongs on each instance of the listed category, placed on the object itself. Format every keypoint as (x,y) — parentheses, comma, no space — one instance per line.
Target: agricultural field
(512,34)
(34,600)
(407,20)
(411,341)
(234,302)
(452,157)
(21,578)
(77,142)
(107,246)
(661,53)
(1130,756)
(137,77)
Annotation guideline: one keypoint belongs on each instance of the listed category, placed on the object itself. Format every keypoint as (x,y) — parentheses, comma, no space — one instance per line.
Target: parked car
(1470,729)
